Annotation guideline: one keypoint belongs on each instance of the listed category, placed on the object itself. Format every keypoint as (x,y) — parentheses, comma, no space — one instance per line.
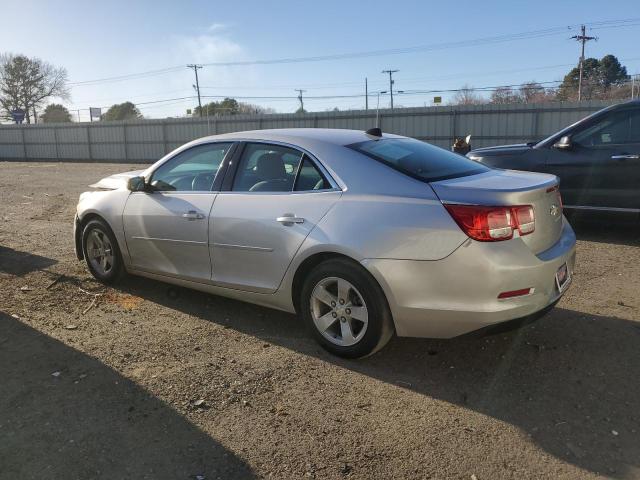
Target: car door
(167,227)
(277,196)
(602,167)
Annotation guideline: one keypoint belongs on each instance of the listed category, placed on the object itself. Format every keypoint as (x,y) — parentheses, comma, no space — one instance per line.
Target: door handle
(625,157)
(193,215)
(289,219)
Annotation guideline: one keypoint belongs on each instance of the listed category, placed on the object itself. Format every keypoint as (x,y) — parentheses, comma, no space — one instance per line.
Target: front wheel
(101,252)
(345,309)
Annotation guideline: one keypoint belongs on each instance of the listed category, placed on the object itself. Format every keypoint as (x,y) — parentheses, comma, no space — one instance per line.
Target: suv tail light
(493,224)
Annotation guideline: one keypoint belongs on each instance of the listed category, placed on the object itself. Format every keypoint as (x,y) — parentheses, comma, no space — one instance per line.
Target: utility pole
(378,109)
(300,98)
(366,94)
(390,72)
(583,38)
(195,68)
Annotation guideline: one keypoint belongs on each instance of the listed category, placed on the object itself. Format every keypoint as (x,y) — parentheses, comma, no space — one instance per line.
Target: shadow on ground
(569,381)
(617,228)
(90,422)
(15,262)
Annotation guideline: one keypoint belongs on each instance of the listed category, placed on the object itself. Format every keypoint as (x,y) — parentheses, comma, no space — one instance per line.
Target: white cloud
(217,27)
(206,48)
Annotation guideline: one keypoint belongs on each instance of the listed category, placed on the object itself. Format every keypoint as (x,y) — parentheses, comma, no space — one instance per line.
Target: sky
(101,40)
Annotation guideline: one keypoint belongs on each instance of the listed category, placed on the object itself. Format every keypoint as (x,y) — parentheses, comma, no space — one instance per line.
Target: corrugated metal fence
(148,140)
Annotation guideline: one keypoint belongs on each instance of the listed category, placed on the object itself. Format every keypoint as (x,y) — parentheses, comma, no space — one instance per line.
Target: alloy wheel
(100,251)
(339,311)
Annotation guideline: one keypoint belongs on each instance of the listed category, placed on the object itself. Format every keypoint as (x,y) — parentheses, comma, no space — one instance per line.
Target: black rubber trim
(232,167)
(77,233)
(226,162)
(510,325)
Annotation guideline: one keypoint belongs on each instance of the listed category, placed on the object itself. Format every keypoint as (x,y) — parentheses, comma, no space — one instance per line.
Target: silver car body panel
(511,187)
(437,281)
(168,233)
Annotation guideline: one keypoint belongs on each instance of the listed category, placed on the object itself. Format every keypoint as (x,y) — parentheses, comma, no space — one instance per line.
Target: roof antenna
(375,132)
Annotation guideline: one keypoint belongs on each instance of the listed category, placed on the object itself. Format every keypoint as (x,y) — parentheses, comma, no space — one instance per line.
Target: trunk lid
(510,188)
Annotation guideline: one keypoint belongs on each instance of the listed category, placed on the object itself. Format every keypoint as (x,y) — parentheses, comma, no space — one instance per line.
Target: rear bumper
(459,294)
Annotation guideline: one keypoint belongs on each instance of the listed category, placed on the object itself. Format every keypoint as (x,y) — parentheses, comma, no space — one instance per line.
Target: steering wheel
(202,182)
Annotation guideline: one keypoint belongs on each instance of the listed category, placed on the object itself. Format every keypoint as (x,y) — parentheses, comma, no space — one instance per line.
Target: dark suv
(597,159)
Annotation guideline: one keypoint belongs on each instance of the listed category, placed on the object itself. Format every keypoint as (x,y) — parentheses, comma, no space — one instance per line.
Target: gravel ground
(160,382)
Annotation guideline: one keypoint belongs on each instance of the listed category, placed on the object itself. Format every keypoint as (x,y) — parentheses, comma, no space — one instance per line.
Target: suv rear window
(419,160)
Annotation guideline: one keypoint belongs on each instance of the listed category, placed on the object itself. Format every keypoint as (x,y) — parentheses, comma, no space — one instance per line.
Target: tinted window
(419,159)
(191,170)
(613,129)
(266,168)
(310,178)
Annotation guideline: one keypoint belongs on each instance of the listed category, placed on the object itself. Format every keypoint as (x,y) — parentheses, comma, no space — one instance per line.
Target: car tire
(345,309)
(101,252)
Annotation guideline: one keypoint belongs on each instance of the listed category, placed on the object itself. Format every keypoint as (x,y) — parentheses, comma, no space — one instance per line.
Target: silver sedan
(363,234)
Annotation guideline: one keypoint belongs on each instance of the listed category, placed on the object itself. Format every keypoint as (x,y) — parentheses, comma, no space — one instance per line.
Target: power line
(404,93)
(372,53)
(131,76)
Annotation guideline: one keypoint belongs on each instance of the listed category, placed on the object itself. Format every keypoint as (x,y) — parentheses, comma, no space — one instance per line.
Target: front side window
(267,168)
(614,129)
(418,159)
(191,170)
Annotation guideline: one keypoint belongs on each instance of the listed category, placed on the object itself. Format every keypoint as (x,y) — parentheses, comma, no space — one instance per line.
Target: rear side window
(310,178)
(418,159)
(267,168)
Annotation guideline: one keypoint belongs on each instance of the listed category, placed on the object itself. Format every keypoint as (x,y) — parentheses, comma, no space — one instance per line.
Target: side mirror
(137,184)
(564,143)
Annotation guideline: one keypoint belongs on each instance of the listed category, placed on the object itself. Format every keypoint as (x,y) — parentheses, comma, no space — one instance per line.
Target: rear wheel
(345,309)
(101,251)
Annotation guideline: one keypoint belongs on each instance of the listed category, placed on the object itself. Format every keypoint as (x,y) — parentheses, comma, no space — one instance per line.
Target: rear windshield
(418,159)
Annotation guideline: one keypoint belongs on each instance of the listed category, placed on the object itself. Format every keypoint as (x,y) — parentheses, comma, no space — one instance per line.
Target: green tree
(599,78)
(26,83)
(612,72)
(230,106)
(55,113)
(122,111)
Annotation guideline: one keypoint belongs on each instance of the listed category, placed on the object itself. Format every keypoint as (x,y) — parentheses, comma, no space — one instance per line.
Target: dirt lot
(157,382)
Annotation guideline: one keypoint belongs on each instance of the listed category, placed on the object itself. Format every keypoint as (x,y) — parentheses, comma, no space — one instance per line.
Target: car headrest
(270,166)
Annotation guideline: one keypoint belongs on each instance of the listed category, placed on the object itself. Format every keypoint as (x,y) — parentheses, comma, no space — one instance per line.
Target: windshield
(419,160)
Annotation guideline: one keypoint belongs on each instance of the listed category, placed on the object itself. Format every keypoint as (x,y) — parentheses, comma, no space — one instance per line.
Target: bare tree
(25,83)
(467,96)
(504,95)
(530,92)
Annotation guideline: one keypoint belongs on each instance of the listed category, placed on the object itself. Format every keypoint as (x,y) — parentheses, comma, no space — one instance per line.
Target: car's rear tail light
(558,194)
(492,224)
(525,219)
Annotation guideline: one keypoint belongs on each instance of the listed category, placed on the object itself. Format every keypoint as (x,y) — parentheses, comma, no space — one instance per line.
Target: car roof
(303,137)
